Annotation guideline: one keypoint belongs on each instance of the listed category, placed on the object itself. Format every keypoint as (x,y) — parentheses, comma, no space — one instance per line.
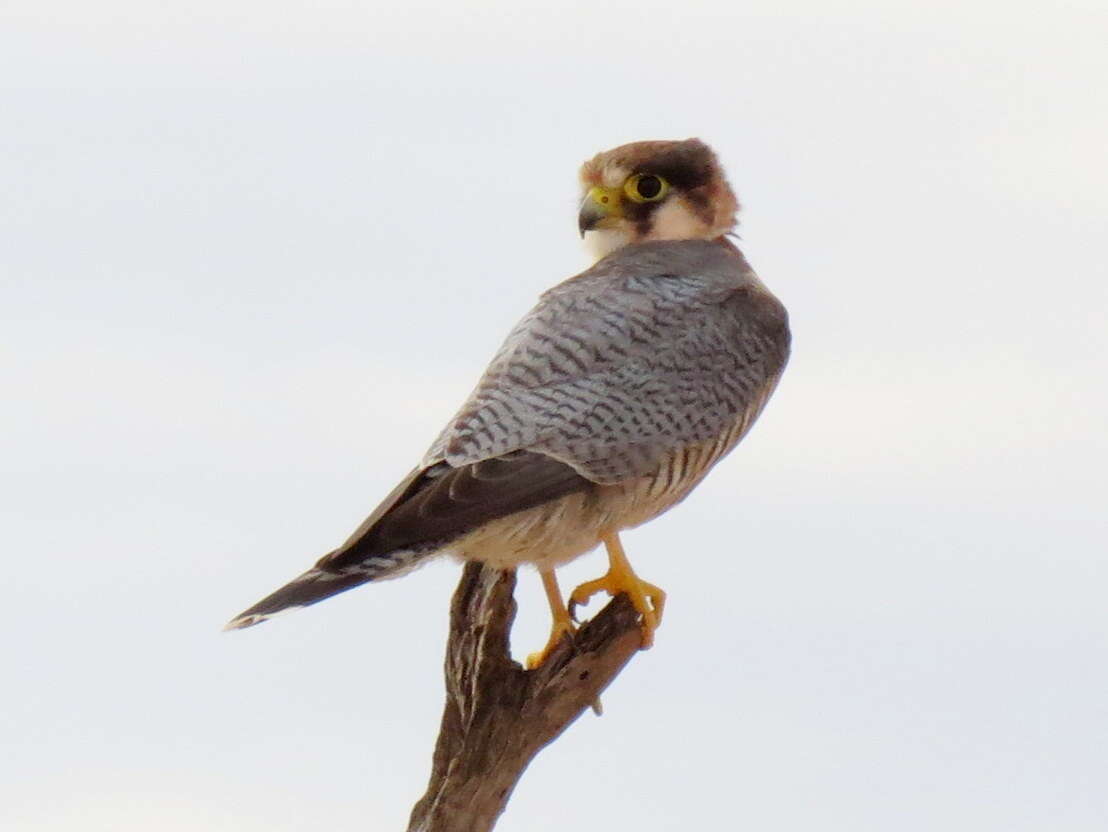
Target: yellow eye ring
(646,187)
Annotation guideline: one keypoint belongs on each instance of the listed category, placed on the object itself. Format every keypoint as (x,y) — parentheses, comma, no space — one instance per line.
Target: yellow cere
(607,198)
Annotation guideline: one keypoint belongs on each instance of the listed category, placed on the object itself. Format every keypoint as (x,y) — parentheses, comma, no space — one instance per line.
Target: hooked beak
(599,209)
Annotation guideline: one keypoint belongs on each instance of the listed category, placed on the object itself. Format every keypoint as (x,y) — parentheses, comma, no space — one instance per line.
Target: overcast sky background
(252,257)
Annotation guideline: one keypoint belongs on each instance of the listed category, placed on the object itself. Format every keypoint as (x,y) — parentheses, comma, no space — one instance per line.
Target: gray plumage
(658,345)
(605,405)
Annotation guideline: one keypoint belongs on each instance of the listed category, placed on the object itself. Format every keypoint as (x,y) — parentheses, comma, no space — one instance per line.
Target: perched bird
(605,406)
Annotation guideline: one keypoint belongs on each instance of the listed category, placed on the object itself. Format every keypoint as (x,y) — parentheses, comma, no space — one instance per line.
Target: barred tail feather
(317,584)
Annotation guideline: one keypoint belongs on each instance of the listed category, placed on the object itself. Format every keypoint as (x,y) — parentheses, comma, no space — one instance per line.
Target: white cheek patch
(674,221)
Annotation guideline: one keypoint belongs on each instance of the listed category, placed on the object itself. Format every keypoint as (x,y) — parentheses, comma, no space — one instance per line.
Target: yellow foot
(561,625)
(557,632)
(647,599)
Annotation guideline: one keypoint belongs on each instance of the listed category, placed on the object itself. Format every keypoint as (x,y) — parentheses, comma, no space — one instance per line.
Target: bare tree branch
(498,716)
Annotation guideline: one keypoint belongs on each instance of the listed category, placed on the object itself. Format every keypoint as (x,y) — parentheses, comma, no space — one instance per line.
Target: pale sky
(254,255)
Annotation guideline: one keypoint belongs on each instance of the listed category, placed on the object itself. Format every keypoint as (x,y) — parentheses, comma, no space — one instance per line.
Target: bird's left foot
(560,629)
(648,600)
(561,624)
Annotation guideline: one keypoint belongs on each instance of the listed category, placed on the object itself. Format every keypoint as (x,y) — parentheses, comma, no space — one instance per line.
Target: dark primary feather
(658,346)
(428,510)
(444,503)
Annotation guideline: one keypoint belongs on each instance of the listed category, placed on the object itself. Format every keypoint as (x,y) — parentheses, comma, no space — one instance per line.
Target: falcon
(605,406)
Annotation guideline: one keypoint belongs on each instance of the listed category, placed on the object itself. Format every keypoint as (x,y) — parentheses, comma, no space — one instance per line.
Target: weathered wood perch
(498,716)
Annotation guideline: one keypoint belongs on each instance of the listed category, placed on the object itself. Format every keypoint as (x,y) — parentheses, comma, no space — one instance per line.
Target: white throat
(672,221)
(599,243)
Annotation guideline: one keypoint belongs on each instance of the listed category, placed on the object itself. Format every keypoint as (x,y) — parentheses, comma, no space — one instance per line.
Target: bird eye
(646,187)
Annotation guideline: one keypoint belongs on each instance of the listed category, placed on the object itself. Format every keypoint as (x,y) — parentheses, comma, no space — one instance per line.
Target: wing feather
(658,346)
(442,503)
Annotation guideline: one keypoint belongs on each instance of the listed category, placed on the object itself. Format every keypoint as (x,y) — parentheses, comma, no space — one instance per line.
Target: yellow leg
(562,624)
(648,599)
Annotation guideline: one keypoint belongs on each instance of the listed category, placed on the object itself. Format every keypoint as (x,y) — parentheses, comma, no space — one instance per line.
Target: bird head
(659,190)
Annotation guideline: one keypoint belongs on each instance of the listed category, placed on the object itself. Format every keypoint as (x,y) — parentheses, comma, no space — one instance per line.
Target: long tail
(316,584)
(429,509)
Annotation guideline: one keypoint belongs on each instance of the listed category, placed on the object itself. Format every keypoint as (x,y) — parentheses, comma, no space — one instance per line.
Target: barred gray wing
(626,363)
